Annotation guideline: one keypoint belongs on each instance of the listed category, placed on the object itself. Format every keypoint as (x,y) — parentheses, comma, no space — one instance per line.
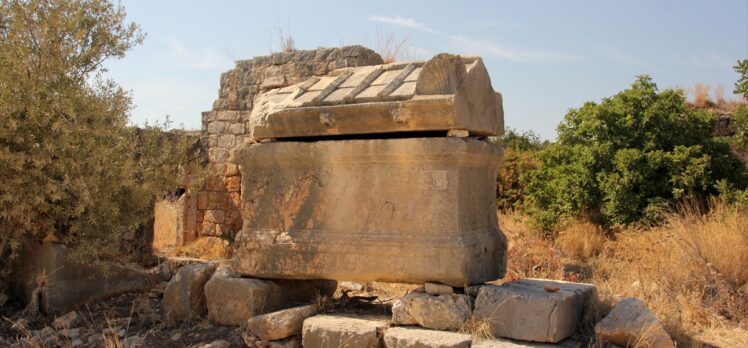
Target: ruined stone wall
(225,126)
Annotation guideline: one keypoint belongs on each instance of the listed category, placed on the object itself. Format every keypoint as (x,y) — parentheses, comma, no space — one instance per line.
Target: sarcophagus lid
(445,93)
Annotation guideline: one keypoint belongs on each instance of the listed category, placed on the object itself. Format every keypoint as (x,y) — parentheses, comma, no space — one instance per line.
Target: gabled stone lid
(445,93)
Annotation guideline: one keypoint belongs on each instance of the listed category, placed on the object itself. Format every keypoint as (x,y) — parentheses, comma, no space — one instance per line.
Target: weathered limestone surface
(281,324)
(437,289)
(396,210)
(631,323)
(184,298)
(225,126)
(524,310)
(329,331)
(402,337)
(175,223)
(67,283)
(442,312)
(446,93)
(231,300)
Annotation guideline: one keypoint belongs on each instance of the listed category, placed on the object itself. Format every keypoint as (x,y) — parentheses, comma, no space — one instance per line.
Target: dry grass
(689,271)
(479,329)
(581,240)
(701,95)
(391,48)
(692,271)
(207,248)
(530,256)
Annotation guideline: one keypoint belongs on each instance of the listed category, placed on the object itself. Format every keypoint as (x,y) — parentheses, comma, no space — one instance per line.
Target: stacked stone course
(225,127)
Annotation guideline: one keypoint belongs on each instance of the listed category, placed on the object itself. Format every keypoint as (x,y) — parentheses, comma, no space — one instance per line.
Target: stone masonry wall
(225,126)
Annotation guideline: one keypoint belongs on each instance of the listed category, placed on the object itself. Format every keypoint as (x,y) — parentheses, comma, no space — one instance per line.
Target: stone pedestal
(409,210)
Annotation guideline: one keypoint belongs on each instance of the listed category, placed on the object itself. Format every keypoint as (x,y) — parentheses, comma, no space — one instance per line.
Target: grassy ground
(691,271)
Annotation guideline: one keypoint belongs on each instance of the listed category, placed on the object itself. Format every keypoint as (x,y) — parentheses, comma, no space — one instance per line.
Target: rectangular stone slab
(392,210)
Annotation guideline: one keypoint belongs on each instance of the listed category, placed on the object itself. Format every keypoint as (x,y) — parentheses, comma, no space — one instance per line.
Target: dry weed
(581,240)
(530,256)
(390,47)
(689,271)
(207,248)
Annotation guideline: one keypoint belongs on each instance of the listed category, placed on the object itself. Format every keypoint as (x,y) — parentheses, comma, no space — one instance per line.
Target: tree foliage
(520,157)
(626,158)
(69,165)
(741,86)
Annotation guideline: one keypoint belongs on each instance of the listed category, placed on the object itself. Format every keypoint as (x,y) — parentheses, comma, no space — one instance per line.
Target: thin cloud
(403,22)
(480,47)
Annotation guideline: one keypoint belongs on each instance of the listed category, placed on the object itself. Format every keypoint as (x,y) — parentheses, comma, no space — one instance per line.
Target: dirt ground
(137,320)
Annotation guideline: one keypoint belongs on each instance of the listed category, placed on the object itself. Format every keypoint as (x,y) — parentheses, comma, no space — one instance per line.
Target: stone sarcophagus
(362,183)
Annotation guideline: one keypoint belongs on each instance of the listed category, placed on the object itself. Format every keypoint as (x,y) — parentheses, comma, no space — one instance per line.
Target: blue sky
(543,56)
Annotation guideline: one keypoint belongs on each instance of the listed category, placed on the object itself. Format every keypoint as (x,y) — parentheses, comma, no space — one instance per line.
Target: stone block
(281,324)
(333,331)
(69,283)
(175,223)
(396,210)
(217,127)
(184,297)
(506,343)
(442,312)
(404,337)
(630,323)
(437,289)
(226,141)
(524,310)
(447,92)
(218,155)
(233,300)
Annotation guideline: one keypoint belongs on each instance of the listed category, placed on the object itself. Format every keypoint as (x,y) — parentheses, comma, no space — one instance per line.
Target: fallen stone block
(524,310)
(184,298)
(507,343)
(281,324)
(291,342)
(409,210)
(232,300)
(67,283)
(402,337)
(630,323)
(328,331)
(443,312)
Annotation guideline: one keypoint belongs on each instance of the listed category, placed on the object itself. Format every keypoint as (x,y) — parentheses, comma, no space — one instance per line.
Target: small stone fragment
(443,312)
(281,324)
(438,289)
(402,337)
(551,288)
(631,323)
(66,321)
(217,344)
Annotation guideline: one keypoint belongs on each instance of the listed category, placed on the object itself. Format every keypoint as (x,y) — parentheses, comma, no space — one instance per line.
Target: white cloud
(403,22)
(480,47)
(195,58)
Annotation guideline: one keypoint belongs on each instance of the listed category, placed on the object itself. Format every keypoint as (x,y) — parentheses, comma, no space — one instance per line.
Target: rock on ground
(443,312)
(437,289)
(66,321)
(281,324)
(184,298)
(506,343)
(402,337)
(232,300)
(524,310)
(71,284)
(328,331)
(631,323)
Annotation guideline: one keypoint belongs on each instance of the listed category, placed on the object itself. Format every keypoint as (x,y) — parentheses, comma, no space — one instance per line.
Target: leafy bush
(520,156)
(69,165)
(627,158)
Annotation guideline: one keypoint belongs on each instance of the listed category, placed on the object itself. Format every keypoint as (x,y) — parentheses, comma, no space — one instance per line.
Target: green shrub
(520,157)
(741,86)
(69,165)
(627,158)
